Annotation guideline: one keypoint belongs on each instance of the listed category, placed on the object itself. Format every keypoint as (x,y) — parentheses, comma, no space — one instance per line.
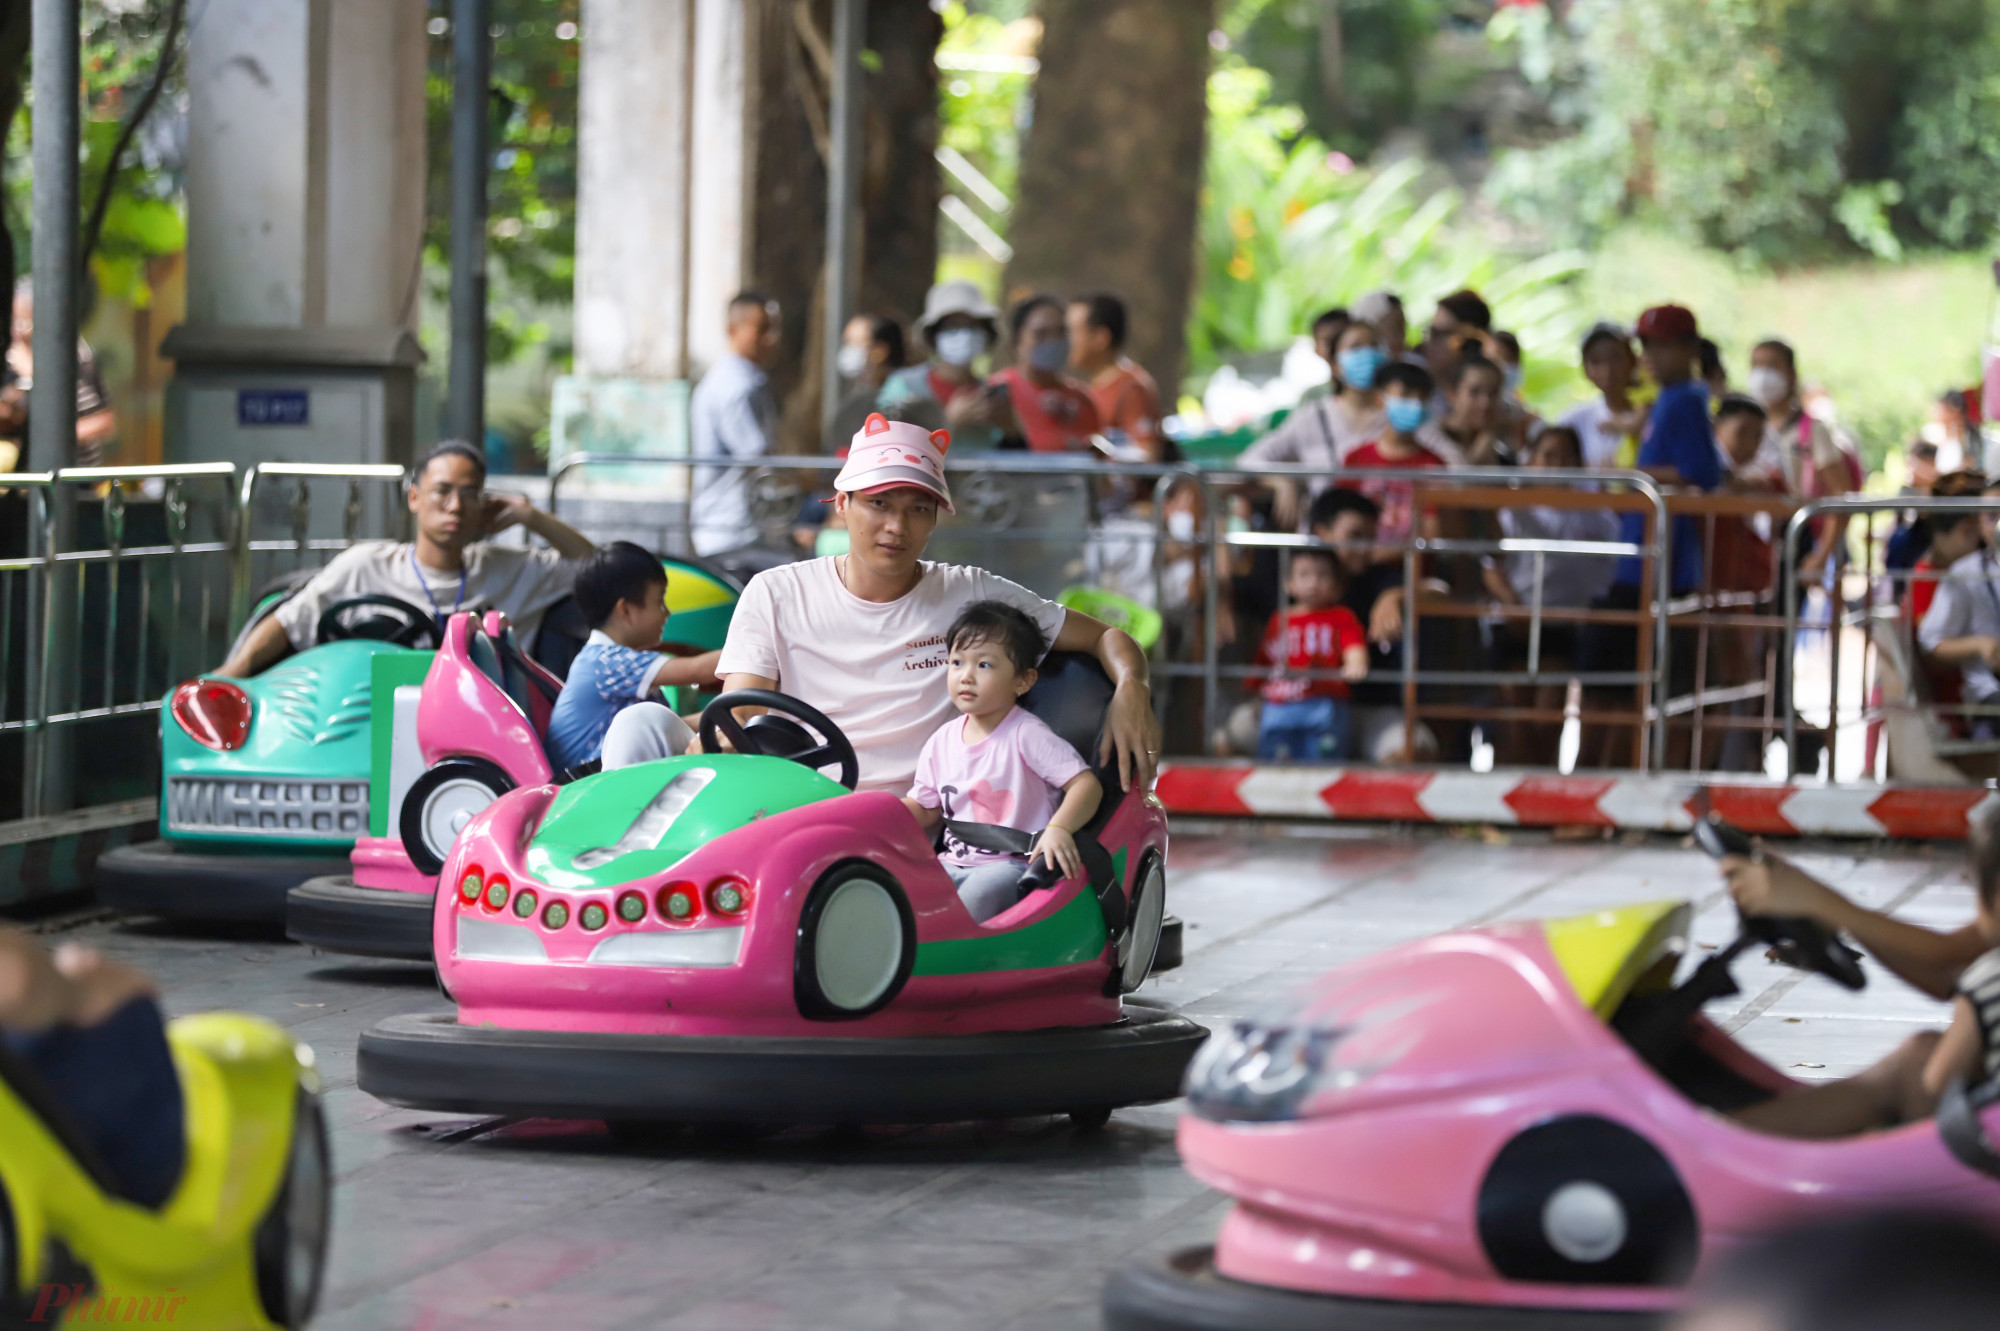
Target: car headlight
(1263,1069)
(214,713)
(1250,1072)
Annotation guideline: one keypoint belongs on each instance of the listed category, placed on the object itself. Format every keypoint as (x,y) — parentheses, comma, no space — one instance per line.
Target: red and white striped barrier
(1665,802)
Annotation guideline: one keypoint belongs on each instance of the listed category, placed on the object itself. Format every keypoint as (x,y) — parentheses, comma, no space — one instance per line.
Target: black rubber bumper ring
(334,915)
(432,1062)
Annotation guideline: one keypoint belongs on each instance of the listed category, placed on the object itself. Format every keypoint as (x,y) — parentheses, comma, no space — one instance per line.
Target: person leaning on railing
(1961,629)
(451,566)
(1679,450)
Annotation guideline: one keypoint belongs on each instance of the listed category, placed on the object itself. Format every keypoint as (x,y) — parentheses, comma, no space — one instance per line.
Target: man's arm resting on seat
(731,684)
(1131,728)
(266,643)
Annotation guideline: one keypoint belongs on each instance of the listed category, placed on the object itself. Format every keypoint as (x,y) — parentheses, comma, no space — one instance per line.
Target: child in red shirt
(1306,720)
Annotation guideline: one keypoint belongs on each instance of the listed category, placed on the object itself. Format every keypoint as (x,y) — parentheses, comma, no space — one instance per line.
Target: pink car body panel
(781,857)
(1453,1047)
(461,714)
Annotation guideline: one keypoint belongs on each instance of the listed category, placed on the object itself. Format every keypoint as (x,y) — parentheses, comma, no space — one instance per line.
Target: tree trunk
(15,40)
(1332,63)
(791,72)
(1111,168)
(899,170)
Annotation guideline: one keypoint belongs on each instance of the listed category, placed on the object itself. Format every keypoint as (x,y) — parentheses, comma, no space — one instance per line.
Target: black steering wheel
(778,734)
(1797,940)
(404,624)
(1808,945)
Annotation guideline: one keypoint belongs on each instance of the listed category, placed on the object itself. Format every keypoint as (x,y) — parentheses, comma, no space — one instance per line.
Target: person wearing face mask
(959,326)
(1819,460)
(1321,434)
(1053,413)
(1406,393)
(871,349)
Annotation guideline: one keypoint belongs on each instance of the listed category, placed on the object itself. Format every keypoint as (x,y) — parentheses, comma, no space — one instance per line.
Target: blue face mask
(1405,413)
(1360,365)
(1049,357)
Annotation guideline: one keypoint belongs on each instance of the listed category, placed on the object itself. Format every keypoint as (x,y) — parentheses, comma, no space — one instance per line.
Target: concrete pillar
(305,189)
(660,219)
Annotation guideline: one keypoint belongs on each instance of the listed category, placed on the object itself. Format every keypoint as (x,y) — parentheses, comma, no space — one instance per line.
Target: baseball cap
(1664,322)
(886,455)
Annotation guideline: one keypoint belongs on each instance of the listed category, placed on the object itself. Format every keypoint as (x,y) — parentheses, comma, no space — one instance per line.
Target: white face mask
(850,360)
(959,346)
(1770,387)
(1180,525)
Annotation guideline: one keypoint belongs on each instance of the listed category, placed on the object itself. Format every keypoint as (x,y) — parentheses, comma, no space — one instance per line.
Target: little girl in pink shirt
(1000,763)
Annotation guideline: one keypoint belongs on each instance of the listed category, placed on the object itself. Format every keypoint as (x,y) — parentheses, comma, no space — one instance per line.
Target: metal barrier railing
(985,506)
(1883,598)
(145,591)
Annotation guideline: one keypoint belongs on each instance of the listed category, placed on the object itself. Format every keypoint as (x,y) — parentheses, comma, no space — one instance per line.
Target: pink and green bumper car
(740,938)
(1517,1128)
(452,735)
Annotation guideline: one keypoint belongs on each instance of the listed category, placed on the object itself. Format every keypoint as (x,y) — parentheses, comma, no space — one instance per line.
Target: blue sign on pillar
(273,406)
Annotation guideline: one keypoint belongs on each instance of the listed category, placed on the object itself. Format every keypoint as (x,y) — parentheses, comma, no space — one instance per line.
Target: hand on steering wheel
(1809,945)
(833,747)
(408,626)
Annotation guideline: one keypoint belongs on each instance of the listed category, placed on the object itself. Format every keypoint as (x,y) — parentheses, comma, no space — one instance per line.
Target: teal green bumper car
(264,780)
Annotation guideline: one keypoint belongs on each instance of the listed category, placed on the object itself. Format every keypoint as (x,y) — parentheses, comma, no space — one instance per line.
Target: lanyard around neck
(437,611)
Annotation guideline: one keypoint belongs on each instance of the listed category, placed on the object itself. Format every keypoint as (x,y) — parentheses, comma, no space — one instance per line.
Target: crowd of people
(1321,635)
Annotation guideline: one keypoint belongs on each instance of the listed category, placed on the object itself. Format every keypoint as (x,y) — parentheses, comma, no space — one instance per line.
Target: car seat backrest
(531,690)
(1072,696)
(485,656)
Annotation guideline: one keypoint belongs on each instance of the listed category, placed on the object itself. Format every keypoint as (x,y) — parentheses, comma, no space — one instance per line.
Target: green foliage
(1289,228)
(1950,139)
(531,226)
(146,217)
(1777,130)
(980,111)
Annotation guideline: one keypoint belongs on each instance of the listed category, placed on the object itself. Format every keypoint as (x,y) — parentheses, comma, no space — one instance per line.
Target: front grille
(267,806)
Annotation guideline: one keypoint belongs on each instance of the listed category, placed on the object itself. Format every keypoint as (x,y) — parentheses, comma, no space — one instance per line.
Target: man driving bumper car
(265,771)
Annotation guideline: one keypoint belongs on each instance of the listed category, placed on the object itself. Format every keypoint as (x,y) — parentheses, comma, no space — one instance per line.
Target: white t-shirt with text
(875,669)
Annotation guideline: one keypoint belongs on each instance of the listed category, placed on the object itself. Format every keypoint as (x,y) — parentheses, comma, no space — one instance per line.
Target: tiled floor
(448,1222)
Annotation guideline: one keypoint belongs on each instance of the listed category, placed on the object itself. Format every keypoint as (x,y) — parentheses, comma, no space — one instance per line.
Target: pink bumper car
(737,937)
(445,749)
(1515,1127)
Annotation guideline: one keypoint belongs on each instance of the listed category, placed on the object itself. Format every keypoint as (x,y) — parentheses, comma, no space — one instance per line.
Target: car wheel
(441,802)
(1090,1120)
(1582,1200)
(857,944)
(1140,943)
(291,1238)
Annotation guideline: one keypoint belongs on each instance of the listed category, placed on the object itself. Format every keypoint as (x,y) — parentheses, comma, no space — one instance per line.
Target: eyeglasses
(468,496)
